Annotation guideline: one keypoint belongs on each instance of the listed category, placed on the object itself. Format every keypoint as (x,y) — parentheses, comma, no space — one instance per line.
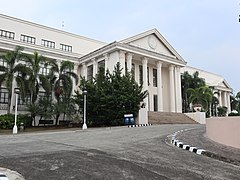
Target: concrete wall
(80,44)
(224,130)
(199,117)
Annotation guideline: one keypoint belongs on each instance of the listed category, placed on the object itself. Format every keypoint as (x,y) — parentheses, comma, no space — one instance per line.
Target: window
(133,71)
(44,69)
(148,75)
(89,72)
(7,34)
(155,101)
(49,44)
(3,63)
(154,77)
(3,96)
(28,39)
(140,74)
(25,101)
(101,64)
(65,47)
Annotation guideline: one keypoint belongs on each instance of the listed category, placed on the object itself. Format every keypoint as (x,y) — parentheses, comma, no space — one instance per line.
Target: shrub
(233,114)
(7,121)
(222,111)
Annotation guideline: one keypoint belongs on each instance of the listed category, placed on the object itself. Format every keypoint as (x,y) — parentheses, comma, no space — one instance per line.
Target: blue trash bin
(128,119)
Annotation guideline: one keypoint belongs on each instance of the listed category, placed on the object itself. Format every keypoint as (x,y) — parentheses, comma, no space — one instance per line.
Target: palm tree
(189,81)
(9,72)
(36,79)
(63,77)
(200,96)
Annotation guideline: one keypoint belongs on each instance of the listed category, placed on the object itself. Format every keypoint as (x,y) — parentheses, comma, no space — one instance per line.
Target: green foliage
(222,111)
(7,121)
(233,114)
(189,81)
(202,95)
(109,97)
(12,58)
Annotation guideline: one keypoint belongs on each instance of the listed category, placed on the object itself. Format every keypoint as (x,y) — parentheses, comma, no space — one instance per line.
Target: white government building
(149,55)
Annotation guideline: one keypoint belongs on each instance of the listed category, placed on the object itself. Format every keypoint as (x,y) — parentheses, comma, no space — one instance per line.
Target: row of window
(32,40)
(101,63)
(4,97)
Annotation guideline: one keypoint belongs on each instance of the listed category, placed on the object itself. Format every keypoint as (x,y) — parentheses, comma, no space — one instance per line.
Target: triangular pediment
(223,84)
(152,41)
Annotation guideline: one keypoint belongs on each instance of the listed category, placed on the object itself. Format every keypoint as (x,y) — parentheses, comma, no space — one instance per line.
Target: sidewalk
(197,138)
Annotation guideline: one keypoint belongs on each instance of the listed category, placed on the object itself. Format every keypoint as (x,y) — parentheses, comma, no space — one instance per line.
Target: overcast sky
(206,33)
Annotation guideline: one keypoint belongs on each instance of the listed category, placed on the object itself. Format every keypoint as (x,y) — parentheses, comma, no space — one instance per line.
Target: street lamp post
(15,129)
(84,109)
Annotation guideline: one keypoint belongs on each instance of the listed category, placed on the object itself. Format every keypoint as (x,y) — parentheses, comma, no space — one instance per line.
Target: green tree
(200,96)
(110,96)
(13,71)
(36,79)
(63,78)
(189,81)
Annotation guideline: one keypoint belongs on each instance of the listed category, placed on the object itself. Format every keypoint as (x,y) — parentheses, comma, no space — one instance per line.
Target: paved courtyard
(108,153)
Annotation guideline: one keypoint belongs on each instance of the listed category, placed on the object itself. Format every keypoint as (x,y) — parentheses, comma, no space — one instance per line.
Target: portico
(153,63)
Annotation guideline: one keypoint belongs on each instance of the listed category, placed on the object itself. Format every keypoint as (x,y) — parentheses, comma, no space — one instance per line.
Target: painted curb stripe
(181,145)
(139,125)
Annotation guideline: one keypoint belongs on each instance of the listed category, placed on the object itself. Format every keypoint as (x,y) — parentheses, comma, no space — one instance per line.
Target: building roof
(211,79)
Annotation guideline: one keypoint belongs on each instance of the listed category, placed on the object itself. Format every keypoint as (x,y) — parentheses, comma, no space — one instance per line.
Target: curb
(139,125)
(187,147)
(7,174)
(3,176)
(200,151)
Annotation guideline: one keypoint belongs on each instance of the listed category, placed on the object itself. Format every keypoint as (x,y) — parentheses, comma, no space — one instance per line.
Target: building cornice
(50,29)
(132,49)
(47,52)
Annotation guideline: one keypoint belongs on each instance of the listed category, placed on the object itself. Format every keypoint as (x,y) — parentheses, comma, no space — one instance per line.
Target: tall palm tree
(13,71)
(201,95)
(189,81)
(36,79)
(63,78)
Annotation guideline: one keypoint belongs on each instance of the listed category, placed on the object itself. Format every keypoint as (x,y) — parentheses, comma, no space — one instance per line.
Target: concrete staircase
(169,118)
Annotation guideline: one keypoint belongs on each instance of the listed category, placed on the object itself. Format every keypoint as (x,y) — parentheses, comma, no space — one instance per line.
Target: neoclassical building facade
(149,56)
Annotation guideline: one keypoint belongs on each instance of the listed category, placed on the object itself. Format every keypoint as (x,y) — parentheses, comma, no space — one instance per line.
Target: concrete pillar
(159,86)
(122,60)
(106,57)
(95,67)
(178,90)
(145,80)
(228,102)
(129,61)
(143,112)
(84,70)
(75,84)
(220,98)
(172,89)
(225,99)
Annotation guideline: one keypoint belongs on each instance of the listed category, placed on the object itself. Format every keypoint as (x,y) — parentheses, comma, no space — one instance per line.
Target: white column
(178,90)
(143,112)
(172,88)
(129,61)
(95,67)
(122,60)
(225,98)
(145,80)
(106,57)
(228,102)
(84,70)
(159,86)
(75,84)
(220,98)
